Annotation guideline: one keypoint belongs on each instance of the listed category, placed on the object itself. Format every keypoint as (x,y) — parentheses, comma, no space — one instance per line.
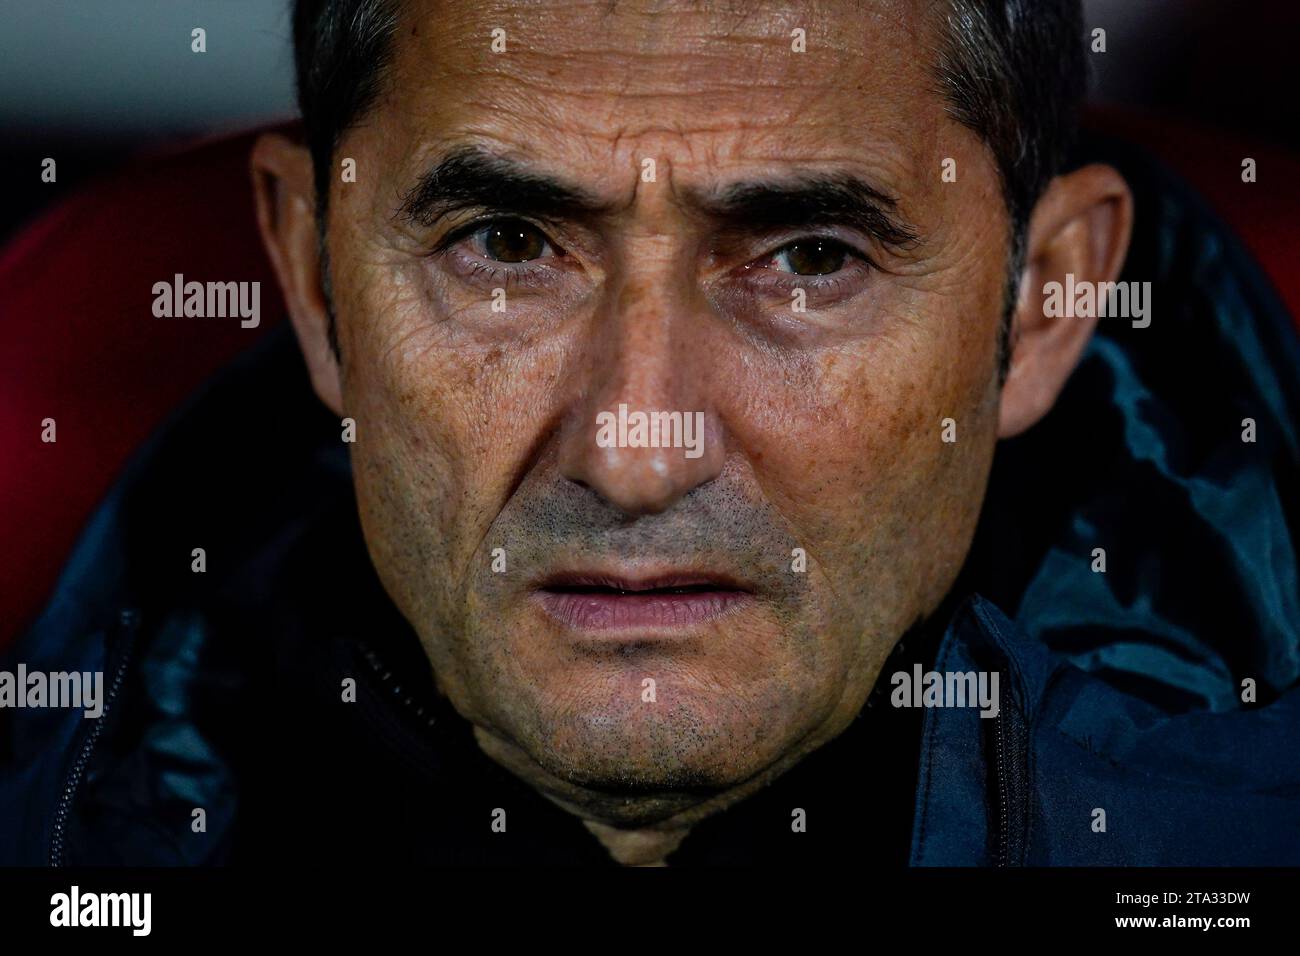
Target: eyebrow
(806,201)
(475,177)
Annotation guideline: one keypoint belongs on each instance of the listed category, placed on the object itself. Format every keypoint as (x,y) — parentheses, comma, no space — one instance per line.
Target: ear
(286,216)
(1080,226)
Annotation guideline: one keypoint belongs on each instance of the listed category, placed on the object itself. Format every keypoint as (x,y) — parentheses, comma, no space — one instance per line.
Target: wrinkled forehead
(738,82)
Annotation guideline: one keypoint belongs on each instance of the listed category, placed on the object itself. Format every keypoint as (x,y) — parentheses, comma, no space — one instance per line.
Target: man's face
(821,512)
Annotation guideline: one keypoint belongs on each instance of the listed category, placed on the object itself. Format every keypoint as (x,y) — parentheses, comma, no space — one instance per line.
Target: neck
(637,847)
(637,830)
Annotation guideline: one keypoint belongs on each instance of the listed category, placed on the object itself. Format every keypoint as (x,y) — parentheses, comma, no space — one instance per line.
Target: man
(667,349)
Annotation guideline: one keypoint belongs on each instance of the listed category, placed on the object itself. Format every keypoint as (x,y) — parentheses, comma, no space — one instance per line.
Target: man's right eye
(511,241)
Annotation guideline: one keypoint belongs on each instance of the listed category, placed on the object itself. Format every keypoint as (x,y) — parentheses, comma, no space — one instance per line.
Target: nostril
(638,495)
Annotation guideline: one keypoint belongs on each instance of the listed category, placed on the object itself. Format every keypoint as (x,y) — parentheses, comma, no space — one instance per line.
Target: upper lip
(646,581)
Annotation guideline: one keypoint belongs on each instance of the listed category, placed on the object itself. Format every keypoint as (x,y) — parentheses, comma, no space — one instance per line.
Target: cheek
(419,427)
(854,452)
(446,425)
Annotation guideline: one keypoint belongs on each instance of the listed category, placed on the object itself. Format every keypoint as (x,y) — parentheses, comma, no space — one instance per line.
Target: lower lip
(609,612)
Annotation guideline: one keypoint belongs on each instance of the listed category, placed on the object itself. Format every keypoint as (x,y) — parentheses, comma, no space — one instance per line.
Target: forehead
(699,83)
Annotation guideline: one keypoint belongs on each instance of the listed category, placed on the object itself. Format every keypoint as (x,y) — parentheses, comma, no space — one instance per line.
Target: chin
(693,742)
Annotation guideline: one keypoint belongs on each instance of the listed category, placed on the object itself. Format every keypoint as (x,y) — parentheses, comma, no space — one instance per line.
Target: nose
(644,432)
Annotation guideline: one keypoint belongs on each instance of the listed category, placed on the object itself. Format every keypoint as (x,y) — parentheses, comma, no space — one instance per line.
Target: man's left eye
(811,257)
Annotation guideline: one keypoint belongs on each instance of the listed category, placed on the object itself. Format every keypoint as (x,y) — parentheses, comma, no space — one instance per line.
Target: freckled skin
(476,429)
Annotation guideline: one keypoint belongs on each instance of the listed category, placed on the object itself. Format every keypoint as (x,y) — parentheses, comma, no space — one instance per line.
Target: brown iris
(513,241)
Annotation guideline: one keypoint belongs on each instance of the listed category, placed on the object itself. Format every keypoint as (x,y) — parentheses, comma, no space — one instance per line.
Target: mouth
(663,602)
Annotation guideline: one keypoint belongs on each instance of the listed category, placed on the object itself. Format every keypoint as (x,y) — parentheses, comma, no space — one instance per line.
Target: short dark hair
(342,50)
(1013,71)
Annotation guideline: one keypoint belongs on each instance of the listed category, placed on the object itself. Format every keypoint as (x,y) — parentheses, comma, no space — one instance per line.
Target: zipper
(128,621)
(1004,810)
(385,676)
(1010,751)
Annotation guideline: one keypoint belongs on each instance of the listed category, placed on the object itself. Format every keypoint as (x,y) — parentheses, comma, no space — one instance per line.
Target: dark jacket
(1121,690)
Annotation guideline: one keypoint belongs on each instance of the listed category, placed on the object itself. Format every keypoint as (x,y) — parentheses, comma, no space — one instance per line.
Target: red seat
(79,342)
